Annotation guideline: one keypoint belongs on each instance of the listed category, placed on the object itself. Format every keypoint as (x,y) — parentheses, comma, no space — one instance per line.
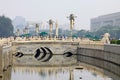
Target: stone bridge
(44,53)
(55,53)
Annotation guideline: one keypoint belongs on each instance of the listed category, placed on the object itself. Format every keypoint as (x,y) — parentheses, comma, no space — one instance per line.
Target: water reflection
(27,73)
(87,75)
(54,73)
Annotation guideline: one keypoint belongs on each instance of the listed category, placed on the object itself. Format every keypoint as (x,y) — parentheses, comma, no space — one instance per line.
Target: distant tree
(83,33)
(6,27)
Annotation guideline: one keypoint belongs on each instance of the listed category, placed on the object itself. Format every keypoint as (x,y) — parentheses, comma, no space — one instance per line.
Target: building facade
(105,20)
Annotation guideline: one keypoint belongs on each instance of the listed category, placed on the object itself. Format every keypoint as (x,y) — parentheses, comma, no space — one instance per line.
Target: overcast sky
(43,10)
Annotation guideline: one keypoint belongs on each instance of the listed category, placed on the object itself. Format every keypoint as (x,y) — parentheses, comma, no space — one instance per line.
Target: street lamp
(37,29)
(72,21)
(56,29)
(18,32)
(26,30)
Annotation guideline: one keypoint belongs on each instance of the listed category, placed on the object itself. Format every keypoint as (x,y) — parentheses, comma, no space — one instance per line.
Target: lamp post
(56,29)
(18,32)
(26,30)
(37,29)
(72,21)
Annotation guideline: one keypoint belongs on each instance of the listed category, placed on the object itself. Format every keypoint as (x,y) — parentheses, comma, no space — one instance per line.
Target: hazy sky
(43,10)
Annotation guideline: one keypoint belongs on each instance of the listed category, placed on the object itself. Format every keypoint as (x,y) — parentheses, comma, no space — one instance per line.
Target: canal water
(54,73)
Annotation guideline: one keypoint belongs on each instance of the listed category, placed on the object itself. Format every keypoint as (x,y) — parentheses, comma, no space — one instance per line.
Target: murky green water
(54,73)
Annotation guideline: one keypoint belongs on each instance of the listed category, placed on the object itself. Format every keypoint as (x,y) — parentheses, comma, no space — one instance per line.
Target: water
(54,73)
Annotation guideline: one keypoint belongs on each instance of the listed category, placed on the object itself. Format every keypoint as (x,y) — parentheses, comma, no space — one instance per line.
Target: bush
(118,41)
(113,41)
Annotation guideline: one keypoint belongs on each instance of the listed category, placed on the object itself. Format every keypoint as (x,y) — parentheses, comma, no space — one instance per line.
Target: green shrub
(118,41)
(113,42)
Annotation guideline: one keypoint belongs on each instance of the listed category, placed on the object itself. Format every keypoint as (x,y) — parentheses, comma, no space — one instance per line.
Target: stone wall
(5,59)
(92,46)
(1,61)
(112,48)
(107,59)
(7,56)
(57,48)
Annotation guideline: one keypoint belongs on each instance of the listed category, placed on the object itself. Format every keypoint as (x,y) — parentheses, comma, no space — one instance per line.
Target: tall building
(105,20)
(19,23)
